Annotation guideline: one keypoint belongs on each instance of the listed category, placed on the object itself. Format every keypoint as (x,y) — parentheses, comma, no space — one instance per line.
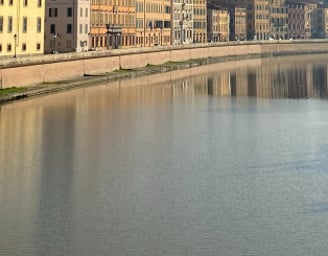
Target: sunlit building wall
(21,27)
(120,14)
(212,24)
(67,25)
(182,21)
(217,23)
(223,24)
(257,16)
(199,21)
(237,24)
(154,22)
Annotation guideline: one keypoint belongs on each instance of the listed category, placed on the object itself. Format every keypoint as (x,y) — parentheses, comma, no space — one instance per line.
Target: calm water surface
(228,159)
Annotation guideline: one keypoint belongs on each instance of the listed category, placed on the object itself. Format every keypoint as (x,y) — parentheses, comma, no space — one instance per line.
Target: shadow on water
(56,181)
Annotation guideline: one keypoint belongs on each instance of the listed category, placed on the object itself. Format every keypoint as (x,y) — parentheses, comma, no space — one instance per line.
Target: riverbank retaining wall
(34,70)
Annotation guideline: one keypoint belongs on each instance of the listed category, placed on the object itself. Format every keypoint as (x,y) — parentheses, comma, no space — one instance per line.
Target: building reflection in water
(286,77)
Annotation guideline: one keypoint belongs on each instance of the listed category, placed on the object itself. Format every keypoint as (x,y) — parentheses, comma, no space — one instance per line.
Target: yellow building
(223,25)
(257,12)
(238,27)
(200,22)
(21,27)
(217,24)
(153,22)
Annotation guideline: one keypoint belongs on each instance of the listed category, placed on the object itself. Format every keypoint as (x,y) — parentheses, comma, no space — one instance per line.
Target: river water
(228,159)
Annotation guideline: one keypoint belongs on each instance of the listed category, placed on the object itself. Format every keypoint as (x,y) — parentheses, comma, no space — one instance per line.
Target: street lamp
(15,38)
(113,31)
(114,41)
(141,39)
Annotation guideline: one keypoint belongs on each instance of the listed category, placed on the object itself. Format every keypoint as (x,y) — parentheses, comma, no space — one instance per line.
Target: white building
(182,15)
(67,25)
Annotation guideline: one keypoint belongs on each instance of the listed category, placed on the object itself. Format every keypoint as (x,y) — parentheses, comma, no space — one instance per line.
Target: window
(0,47)
(24,28)
(38,25)
(38,46)
(81,28)
(1,2)
(53,12)
(69,28)
(10,2)
(1,24)
(81,12)
(167,24)
(86,28)
(52,28)
(39,3)
(69,12)
(10,24)
(158,24)
(8,47)
(86,12)
(24,47)
(25,2)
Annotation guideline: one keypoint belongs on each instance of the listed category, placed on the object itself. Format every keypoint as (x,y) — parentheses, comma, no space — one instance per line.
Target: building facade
(199,21)
(154,22)
(296,22)
(278,19)
(21,27)
(310,19)
(259,27)
(238,27)
(257,12)
(113,23)
(182,21)
(212,24)
(67,26)
(223,24)
(323,25)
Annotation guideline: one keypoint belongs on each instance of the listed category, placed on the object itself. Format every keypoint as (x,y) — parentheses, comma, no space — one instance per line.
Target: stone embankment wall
(34,70)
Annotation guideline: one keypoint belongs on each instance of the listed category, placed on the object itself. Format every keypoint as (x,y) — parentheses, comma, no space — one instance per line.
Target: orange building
(111,18)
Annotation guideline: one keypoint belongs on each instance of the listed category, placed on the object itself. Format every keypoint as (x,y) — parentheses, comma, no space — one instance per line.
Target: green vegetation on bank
(12,90)
(123,70)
